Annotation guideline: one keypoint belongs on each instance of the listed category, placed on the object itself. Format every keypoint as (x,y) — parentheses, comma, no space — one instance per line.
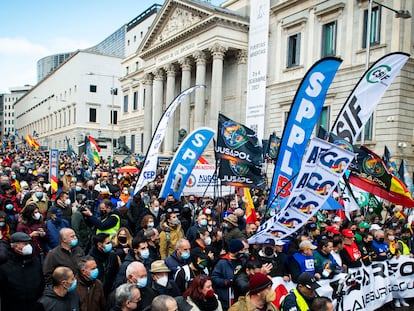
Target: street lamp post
(398,14)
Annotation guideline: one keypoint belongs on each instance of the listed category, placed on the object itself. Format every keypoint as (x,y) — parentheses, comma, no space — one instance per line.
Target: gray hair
(123,293)
(82,262)
(180,243)
(160,302)
(132,267)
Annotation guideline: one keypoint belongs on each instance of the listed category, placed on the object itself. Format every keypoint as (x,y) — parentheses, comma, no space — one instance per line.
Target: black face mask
(268,251)
(90,188)
(381,240)
(122,239)
(369,243)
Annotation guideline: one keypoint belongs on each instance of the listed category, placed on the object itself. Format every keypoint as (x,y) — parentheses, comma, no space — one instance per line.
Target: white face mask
(67,202)
(207,240)
(27,250)
(391,237)
(163,281)
(36,216)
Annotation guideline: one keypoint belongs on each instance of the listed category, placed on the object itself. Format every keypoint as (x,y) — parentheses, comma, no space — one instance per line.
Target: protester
(53,227)
(164,303)
(179,257)
(303,261)
(61,294)
(89,288)
(161,285)
(201,296)
(301,297)
(127,298)
(170,234)
(21,278)
(110,220)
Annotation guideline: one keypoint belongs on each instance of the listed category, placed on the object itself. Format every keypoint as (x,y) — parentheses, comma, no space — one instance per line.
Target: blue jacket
(173,262)
(52,230)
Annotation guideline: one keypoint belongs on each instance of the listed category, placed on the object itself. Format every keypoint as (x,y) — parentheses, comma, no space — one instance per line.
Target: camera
(87,204)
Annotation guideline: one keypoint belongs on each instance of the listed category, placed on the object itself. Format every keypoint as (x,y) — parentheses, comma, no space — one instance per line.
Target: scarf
(208,304)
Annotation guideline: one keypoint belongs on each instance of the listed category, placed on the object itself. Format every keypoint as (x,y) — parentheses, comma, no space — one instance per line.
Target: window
(367,130)
(114,114)
(135,100)
(133,143)
(143,99)
(92,88)
(323,119)
(125,103)
(92,114)
(293,50)
(375,27)
(142,142)
(329,39)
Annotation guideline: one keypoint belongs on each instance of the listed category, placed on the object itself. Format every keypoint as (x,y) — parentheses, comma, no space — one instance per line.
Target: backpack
(187,274)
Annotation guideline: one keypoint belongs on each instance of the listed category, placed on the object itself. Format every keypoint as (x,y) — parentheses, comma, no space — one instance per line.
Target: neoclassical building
(193,42)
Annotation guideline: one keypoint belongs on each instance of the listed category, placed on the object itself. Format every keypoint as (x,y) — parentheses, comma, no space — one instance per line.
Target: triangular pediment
(178,18)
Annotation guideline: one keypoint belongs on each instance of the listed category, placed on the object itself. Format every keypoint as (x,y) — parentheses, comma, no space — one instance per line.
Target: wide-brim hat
(232,219)
(159,266)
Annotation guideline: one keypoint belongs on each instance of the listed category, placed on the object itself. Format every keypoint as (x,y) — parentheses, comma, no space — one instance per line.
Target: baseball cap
(308,280)
(333,229)
(279,243)
(269,242)
(306,244)
(374,227)
(364,225)
(348,233)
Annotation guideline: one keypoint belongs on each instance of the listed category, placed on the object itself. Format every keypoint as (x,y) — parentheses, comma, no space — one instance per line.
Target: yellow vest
(111,231)
(301,302)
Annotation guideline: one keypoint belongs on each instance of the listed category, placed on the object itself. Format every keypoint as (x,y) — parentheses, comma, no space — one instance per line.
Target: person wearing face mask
(78,189)
(161,285)
(201,296)
(198,266)
(106,260)
(231,230)
(139,252)
(152,237)
(4,227)
(147,222)
(122,243)
(21,278)
(39,198)
(53,227)
(226,269)
(201,222)
(179,257)
(170,234)
(63,202)
(110,220)
(89,287)
(302,296)
(66,254)
(31,222)
(381,247)
(366,248)
(260,295)
(61,295)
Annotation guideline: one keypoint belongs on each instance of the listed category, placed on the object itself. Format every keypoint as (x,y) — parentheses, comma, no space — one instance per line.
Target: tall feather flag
(406,176)
(148,172)
(390,162)
(251,216)
(32,142)
(303,116)
(92,150)
(366,95)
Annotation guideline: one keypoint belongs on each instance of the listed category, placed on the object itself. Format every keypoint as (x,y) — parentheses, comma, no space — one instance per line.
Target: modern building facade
(80,95)
(193,42)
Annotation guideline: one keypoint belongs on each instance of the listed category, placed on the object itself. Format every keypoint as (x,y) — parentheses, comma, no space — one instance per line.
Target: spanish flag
(32,142)
(251,216)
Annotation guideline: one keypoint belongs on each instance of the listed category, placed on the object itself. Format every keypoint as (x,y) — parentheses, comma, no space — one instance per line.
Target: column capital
(158,74)
(185,63)
(170,69)
(200,57)
(242,57)
(148,77)
(218,50)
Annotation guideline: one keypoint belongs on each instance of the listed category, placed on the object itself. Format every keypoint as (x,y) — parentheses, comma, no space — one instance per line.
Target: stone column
(185,84)
(217,51)
(170,95)
(147,110)
(200,93)
(158,97)
(241,84)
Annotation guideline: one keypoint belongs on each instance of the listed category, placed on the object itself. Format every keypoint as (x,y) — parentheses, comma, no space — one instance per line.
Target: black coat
(21,282)
(51,302)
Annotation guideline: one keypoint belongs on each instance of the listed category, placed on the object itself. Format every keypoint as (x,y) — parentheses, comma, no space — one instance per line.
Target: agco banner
(303,116)
(149,169)
(366,95)
(184,161)
(323,166)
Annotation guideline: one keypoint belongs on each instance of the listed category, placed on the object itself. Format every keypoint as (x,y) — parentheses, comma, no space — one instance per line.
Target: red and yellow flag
(32,142)
(251,216)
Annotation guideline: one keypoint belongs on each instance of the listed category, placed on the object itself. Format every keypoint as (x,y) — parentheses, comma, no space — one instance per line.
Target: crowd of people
(95,245)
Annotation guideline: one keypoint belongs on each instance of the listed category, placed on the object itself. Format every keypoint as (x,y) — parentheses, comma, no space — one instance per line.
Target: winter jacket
(52,230)
(169,237)
(52,302)
(21,282)
(91,295)
(244,304)
(173,263)
(38,242)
